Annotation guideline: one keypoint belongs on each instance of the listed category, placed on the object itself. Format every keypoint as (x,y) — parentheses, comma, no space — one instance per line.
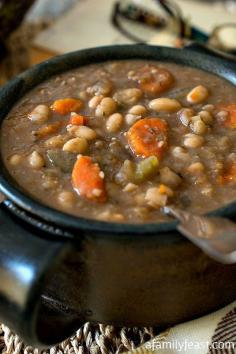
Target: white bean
(196,168)
(197,95)
(55,141)
(208,107)
(195,118)
(130,119)
(40,114)
(107,215)
(94,102)
(193,141)
(71,129)
(36,160)
(222,116)
(199,127)
(206,116)
(180,153)
(66,199)
(76,145)
(130,187)
(114,122)
(16,159)
(154,198)
(164,104)
(85,132)
(185,115)
(169,177)
(106,107)
(138,110)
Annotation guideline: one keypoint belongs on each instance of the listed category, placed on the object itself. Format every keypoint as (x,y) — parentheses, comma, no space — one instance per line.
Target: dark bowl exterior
(120,274)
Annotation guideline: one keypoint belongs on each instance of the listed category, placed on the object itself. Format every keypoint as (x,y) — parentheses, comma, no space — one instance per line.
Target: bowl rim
(24,82)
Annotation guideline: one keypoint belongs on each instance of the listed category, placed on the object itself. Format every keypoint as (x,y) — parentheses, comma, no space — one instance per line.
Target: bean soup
(117,141)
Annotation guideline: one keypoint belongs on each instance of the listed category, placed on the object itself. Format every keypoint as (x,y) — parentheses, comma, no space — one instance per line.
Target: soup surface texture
(117,141)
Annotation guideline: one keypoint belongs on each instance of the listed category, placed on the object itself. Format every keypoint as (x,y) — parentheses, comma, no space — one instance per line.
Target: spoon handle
(216,236)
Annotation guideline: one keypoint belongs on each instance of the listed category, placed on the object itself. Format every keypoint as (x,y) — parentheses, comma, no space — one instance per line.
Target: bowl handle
(27,261)
(201,48)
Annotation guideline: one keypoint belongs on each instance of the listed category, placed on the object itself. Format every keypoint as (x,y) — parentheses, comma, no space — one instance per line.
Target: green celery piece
(146,169)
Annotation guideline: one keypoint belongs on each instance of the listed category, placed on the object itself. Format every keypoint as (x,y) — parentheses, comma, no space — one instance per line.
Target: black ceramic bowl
(62,271)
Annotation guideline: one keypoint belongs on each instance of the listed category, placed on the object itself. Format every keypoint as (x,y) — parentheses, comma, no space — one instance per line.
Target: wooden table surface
(36,55)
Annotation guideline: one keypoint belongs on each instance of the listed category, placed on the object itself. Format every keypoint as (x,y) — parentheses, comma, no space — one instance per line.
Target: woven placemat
(94,339)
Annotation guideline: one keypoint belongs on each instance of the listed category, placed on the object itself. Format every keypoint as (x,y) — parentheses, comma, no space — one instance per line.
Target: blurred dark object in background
(232,1)
(11,14)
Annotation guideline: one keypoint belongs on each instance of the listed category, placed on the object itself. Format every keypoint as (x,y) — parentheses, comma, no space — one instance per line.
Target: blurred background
(34,30)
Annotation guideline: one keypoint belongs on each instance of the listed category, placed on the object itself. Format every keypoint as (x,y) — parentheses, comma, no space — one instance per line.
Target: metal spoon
(216,236)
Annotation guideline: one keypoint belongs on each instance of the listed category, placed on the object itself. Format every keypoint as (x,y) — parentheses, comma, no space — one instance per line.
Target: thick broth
(197,171)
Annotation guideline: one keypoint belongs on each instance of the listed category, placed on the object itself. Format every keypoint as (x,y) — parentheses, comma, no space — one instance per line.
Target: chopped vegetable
(146,168)
(48,129)
(77,119)
(153,79)
(163,189)
(67,105)
(169,177)
(88,179)
(128,96)
(102,87)
(155,198)
(64,160)
(126,173)
(148,137)
(229,175)
(137,173)
(231,119)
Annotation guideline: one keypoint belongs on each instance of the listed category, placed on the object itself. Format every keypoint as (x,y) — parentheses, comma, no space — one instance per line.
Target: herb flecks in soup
(117,141)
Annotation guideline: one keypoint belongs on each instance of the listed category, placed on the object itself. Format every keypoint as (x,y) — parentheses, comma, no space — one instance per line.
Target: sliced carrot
(87,179)
(148,137)
(77,119)
(231,119)
(48,129)
(229,175)
(153,79)
(67,105)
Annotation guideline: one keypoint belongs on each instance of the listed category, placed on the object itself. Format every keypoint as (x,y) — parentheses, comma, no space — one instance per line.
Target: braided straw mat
(94,339)
(212,334)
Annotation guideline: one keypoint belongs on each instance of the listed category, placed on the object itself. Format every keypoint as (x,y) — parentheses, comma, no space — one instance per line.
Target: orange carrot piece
(77,119)
(231,119)
(67,105)
(148,137)
(48,129)
(153,79)
(87,179)
(229,175)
